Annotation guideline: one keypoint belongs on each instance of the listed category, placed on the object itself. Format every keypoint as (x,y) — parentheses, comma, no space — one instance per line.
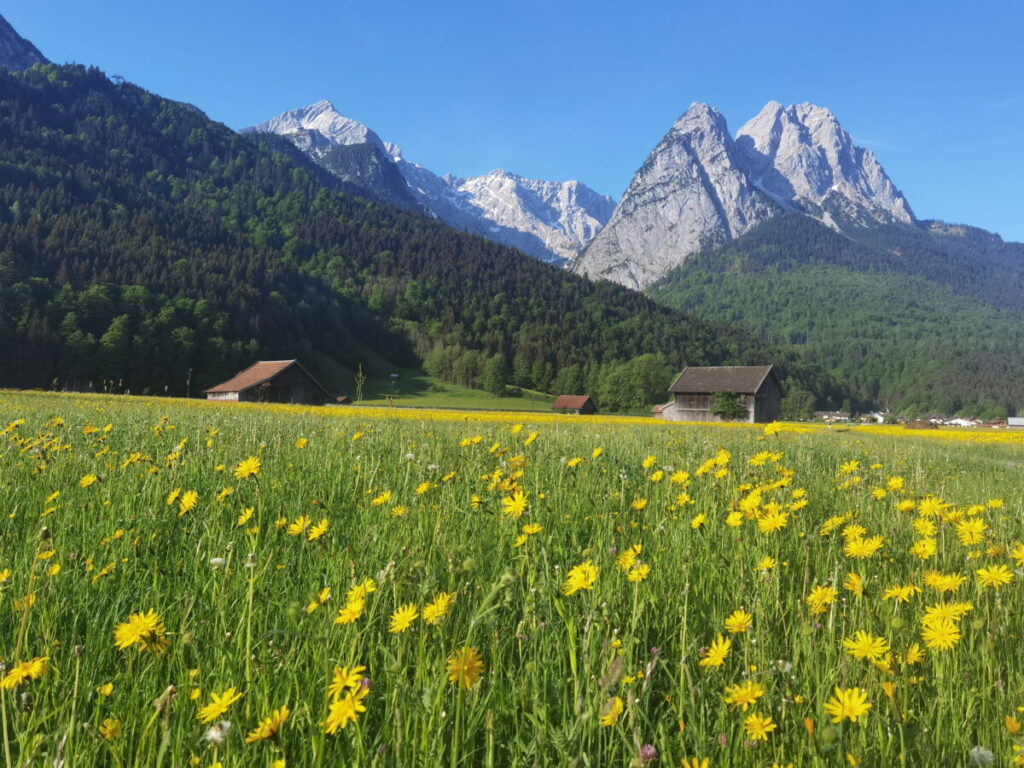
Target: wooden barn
(694,392)
(271,381)
(574,404)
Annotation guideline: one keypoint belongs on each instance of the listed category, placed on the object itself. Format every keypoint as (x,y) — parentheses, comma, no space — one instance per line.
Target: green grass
(417,504)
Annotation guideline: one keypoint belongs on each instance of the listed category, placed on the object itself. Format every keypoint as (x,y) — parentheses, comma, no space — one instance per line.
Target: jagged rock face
(15,51)
(346,148)
(548,220)
(803,157)
(691,193)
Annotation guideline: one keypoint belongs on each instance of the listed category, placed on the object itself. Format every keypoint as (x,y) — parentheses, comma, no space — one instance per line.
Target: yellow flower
(346,679)
(188,502)
(901,594)
(941,634)
(219,704)
(743,695)
(302,442)
(582,576)
(638,573)
(110,729)
(268,727)
(757,726)
(715,656)
(862,548)
(765,564)
(302,522)
(245,516)
(627,558)
(145,631)
(436,610)
(423,488)
(971,531)
(638,504)
(648,462)
(820,598)
(25,670)
(700,762)
(465,667)
(317,530)
(381,499)
(738,621)
(88,480)
(995,577)
(403,618)
(698,521)
(924,548)
(249,467)
(345,710)
(514,505)
(771,521)
(105,690)
(611,711)
(865,646)
(351,612)
(847,704)
(914,655)
(854,583)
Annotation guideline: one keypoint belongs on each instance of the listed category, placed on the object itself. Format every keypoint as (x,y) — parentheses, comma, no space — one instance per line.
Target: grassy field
(184,583)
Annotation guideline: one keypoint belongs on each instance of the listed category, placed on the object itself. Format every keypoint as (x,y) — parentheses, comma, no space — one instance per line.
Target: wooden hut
(574,404)
(271,381)
(756,387)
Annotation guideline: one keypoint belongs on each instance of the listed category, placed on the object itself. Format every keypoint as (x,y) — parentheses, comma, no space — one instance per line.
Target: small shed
(271,381)
(694,392)
(1015,422)
(574,404)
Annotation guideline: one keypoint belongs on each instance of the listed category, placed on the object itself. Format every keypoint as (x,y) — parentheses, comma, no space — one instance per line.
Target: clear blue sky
(555,89)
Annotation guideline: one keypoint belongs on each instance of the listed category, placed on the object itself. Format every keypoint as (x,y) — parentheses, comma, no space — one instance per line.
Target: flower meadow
(190,584)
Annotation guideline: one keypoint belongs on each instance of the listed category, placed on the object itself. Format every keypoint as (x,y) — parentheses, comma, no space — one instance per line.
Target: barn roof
(570,402)
(256,374)
(742,379)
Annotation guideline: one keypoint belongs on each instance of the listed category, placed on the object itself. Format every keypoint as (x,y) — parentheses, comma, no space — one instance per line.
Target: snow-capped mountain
(15,51)
(699,188)
(802,157)
(545,219)
(345,147)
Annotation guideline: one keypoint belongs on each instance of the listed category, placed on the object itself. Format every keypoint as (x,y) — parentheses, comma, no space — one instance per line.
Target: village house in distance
(694,391)
(271,381)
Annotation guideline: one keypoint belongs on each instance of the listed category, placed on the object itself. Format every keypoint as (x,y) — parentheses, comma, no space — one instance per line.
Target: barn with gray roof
(694,391)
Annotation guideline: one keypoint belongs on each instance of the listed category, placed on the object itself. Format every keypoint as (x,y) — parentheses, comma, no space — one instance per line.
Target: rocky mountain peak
(323,118)
(692,192)
(15,51)
(805,159)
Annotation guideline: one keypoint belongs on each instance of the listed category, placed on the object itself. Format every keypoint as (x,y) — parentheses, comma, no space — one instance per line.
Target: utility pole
(188,383)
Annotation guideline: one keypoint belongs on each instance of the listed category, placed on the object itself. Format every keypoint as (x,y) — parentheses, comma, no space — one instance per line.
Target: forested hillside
(909,320)
(139,239)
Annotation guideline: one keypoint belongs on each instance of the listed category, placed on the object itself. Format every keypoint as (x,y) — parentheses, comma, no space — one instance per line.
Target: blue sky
(556,89)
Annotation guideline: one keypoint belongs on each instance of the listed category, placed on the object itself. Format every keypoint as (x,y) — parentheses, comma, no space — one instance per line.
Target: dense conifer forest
(908,319)
(139,240)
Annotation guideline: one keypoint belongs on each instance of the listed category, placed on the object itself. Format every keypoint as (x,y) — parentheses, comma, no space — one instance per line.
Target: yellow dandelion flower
(612,711)
(438,608)
(403,618)
(465,667)
(219,704)
(249,467)
(269,727)
(582,576)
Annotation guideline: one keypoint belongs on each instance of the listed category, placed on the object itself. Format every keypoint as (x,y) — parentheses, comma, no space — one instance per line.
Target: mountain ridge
(548,220)
(15,51)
